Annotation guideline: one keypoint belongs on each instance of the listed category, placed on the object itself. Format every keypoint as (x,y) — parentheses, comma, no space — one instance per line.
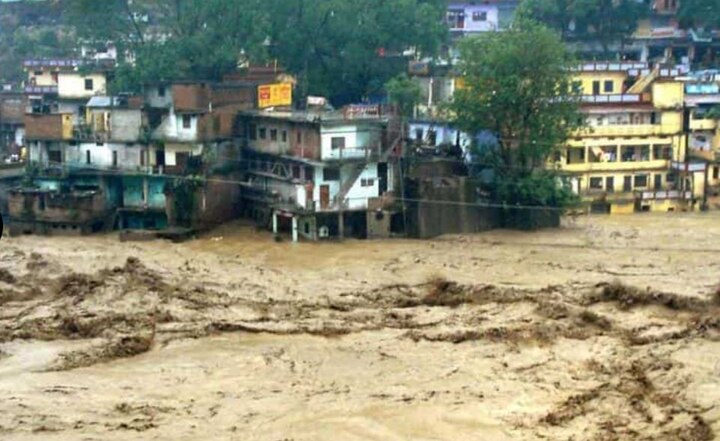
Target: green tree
(404,93)
(606,21)
(173,39)
(343,49)
(348,49)
(517,84)
(699,13)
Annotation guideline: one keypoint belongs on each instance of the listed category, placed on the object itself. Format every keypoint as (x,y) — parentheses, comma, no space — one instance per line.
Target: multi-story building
(86,146)
(702,97)
(321,173)
(12,128)
(659,37)
(631,157)
(471,17)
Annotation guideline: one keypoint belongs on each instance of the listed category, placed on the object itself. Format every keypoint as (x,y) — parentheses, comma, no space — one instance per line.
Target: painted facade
(626,159)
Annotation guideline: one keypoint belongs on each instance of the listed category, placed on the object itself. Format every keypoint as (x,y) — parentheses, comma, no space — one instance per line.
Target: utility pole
(341,202)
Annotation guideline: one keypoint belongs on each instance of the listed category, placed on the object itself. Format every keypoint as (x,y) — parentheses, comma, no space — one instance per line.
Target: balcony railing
(703,124)
(631,130)
(612,98)
(617,166)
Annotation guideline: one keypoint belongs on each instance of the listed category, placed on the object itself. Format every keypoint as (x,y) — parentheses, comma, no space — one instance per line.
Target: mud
(496,336)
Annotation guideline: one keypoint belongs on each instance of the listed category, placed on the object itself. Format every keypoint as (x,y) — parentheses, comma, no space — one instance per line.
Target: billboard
(271,95)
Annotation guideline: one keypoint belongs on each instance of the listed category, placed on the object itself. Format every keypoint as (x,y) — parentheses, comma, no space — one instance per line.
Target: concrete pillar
(274,223)
(146,191)
(295,229)
(341,225)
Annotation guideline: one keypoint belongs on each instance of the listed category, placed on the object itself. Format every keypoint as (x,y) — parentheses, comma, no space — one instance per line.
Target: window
(299,137)
(596,183)
(367,182)
(479,16)
(670,178)
(610,184)
(716,172)
(577,86)
(114,158)
(596,87)
(658,181)
(609,86)
(161,91)
(38,73)
(187,121)
(641,181)
(99,144)
(337,142)
(55,156)
(88,159)
(284,136)
(262,133)
(252,132)
(432,137)
(662,152)
(273,134)
(331,174)
(419,134)
(89,84)
(143,152)
(456,19)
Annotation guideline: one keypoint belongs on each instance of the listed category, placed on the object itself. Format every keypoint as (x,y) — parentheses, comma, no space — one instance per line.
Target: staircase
(643,83)
(359,167)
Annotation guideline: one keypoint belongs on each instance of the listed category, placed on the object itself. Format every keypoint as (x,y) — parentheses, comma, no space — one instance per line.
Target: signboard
(272,95)
(362,111)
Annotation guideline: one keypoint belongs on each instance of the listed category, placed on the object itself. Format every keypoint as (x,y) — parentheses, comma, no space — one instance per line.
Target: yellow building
(627,158)
(703,98)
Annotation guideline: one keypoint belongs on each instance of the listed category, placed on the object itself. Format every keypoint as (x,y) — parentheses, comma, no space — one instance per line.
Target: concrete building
(318,174)
(471,17)
(631,157)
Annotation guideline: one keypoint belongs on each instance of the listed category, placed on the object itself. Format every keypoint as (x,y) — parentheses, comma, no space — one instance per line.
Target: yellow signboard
(271,95)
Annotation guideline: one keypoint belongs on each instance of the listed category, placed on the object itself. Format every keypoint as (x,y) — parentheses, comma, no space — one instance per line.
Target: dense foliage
(517,84)
(343,49)
(606,21)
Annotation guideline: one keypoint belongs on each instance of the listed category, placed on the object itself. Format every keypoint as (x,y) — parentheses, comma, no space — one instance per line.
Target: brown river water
(605,329)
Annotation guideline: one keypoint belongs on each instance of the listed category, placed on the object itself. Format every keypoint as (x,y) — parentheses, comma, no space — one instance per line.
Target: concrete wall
(126,125)
(446,208)
(172,128)
(172,149)
(366,186)
(473,12)
(72,85)
(586,80)
(359,140)
(668,94)
(49,127)
(154,99)
(52,213)
(41,78)
(144,192)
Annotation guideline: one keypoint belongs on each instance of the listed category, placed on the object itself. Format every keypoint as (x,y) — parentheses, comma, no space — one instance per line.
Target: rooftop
(355,113)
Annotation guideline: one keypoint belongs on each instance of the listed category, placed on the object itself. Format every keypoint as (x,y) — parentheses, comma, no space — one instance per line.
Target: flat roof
(314,117)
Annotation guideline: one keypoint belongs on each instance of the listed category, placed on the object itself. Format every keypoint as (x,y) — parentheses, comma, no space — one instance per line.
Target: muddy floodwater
(605,329)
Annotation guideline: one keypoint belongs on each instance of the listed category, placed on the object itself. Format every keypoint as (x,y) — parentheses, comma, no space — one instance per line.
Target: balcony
(703,124)
(631,130)
(664,194)
(41,90)
(613,98)
(585,167)
(52,127)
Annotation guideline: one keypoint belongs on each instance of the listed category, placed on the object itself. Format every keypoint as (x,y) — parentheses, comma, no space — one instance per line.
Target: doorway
(324,196)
